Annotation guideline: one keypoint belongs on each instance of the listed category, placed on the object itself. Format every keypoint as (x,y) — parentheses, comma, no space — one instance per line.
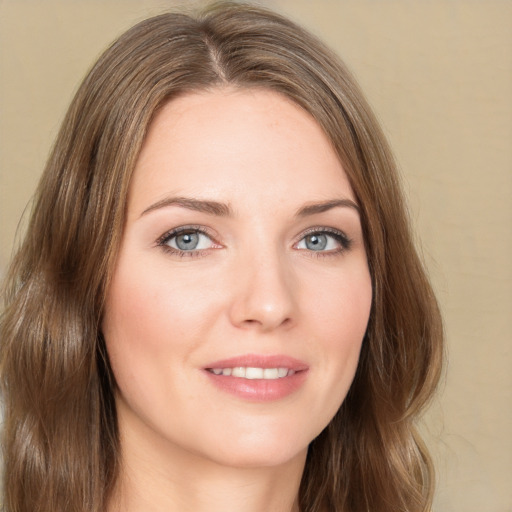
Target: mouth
(258,377)
(251,373)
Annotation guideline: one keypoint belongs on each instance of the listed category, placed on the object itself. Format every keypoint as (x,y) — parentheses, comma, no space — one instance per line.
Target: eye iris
(187,241)
(316,242)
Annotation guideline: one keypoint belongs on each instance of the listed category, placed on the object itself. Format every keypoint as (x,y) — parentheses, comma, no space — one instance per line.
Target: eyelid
(340,236)
(203,230)
(183,229)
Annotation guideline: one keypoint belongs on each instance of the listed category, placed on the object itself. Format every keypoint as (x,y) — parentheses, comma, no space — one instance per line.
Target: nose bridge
(264,295)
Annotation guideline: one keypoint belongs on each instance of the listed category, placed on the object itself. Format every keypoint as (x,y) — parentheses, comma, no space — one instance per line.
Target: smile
(248,372)
(257,377)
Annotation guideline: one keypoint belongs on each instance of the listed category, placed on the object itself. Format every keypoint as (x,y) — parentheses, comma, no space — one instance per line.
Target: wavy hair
(60,434)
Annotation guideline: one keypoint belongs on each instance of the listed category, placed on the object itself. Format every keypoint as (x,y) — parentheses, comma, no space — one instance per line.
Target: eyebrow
(198,205)
(224,210)
(314,208)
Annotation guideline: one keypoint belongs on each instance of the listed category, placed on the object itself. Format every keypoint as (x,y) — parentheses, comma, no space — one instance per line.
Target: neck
(158,477)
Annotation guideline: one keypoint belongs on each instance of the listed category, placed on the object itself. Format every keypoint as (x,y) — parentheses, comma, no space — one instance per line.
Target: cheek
(149,335)
(341,315)
(154,326)
(148,313)
(342,308)
(137,327)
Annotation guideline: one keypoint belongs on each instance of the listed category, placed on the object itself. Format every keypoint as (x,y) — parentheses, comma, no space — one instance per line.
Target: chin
(259,450)
(261,458)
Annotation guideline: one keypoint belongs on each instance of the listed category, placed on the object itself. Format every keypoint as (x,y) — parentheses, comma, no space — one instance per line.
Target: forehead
(236,144)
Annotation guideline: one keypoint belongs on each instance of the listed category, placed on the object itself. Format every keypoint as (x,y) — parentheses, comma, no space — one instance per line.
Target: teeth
(254,373)
(282,372)
(239,371)
(271,373)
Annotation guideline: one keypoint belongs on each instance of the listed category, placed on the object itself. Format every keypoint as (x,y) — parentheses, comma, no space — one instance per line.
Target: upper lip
(260,361)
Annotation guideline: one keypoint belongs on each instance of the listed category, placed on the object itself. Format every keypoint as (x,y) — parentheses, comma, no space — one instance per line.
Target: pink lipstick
(258,377)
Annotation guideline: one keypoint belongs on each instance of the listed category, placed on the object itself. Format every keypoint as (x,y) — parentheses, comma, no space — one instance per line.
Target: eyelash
(341,238)
(344,241)
(169,235)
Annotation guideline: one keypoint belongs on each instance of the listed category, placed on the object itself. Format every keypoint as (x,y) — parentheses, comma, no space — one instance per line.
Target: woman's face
(241,292)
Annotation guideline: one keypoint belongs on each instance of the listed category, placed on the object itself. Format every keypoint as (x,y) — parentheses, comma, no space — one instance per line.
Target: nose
(264,294)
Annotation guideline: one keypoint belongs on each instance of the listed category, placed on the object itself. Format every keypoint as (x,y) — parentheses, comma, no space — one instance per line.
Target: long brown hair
(60,437)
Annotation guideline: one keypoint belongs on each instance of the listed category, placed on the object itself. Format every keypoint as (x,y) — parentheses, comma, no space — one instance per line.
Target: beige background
(439,75)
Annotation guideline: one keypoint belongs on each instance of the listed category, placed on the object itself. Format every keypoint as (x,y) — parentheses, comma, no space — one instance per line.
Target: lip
(260,361)
(260,390)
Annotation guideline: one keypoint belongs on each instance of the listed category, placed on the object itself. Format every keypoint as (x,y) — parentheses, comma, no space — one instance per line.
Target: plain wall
(439,75)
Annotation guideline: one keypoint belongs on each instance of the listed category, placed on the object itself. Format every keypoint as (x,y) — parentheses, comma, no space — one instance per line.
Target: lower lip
(259,390)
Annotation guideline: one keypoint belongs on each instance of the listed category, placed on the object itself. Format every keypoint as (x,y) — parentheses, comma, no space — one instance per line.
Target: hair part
(60,435)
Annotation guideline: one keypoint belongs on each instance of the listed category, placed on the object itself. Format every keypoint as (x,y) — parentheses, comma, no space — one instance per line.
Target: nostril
(267,322)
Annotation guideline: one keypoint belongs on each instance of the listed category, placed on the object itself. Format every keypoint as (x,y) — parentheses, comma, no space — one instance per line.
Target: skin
(252,286)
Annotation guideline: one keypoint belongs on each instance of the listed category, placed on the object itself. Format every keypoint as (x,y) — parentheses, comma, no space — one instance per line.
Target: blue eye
(316,242)
(186,240)
(324,241)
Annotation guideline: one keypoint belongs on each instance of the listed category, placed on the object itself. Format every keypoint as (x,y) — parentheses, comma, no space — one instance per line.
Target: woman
(218,304)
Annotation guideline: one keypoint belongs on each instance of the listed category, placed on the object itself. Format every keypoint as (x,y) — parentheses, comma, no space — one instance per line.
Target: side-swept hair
(60,436)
